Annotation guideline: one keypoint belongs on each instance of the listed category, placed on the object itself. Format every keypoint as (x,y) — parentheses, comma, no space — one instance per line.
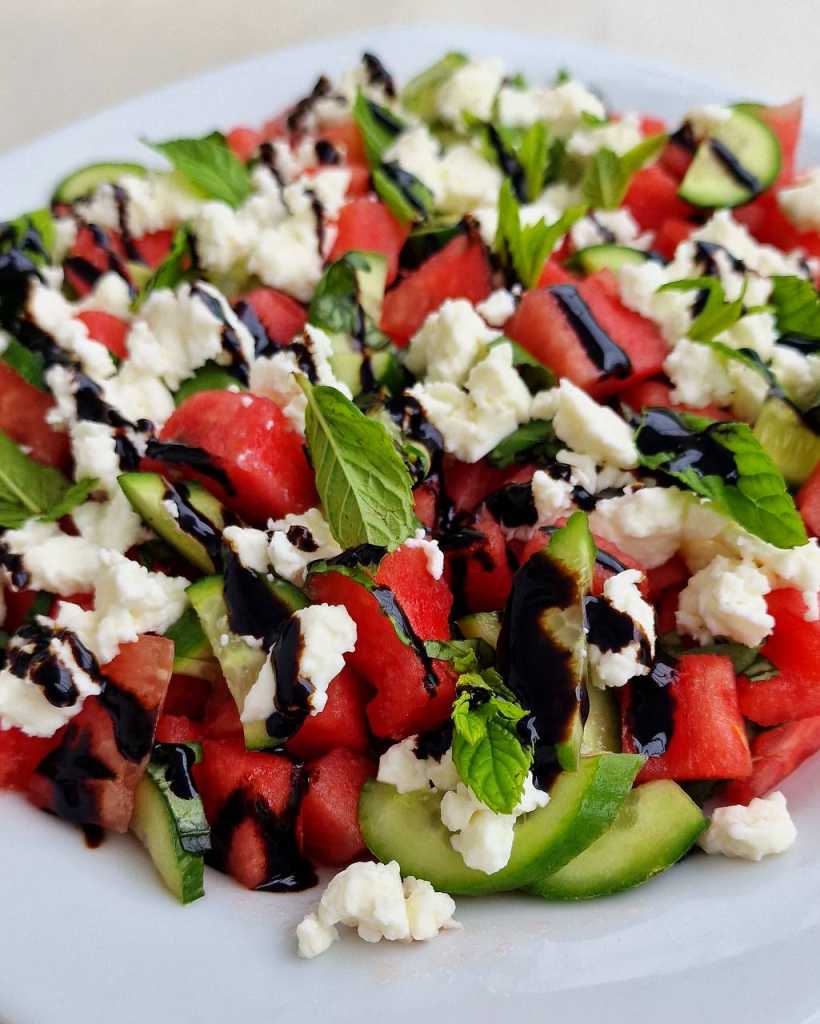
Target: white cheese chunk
(448,343)
(584,425)
(289,554)
(751,833)
(707,119)
(619,136)
(647,525)
(400,767)
(54,561)
(616,668)
(433,554)
(497,308)
(727,598)
(471,89)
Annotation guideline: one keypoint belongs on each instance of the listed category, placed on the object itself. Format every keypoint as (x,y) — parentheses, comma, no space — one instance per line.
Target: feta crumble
(432,552)
(290,560)
(727,598)
(448,343)
(751,833)
(801,202)
(584,425)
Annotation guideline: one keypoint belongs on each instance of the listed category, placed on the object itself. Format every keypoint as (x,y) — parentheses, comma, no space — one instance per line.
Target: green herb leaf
(378,125)
(534,156)
(607,176)
(757,499)
(29,365)
(28,488)
(487,750)
(525,250)
(532,442)
(210,165)
(717,315)
(464,655)
(407,197)
(335,304)
(420,95)
(746,661)
(797,307)
(177,266)
(31,233)
(364,485)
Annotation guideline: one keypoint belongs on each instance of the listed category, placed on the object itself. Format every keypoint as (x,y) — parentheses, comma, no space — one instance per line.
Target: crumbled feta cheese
(616,668)
(726,599)
(93,446)
(153,202)
(128,601)
(751,833)
(400,767)
(485,839)
(24,703)
(723,229)
(287,255)
(465,180)
(249,545)
(497,308)
(755,331)
(471,89)
(647,525)
(417,152)
(55,315)
(671,311)
(432,552)
(797,374)
(110,294)
(472,422)
(797,567)
(137,393)
(552,497)
(448,343)
(619,136)
(707,119)
(801,202)
(223,236)
(616,227)
(290,560)
(584,425)
(110,524)
(54,561)
(699,375)
(562,106)
(373,899)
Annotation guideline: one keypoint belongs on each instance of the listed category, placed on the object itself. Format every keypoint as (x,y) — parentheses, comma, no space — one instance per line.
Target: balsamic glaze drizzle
(663,431)
(609,357)
(393,610)
(730,162)
(187,455)
(193,522)
(650,715)
(178,760)
(253,608)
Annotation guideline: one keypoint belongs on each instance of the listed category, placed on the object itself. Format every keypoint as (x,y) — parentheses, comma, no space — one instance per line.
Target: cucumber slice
(407,828)
(602,729)
(481,626)
(739,161)
(192,652)
(655,827)
(172,827)
(348,363)
(791,443)
(606,257)
(148,492)
(372,283)
(83,181)
(209,377)
(239,661)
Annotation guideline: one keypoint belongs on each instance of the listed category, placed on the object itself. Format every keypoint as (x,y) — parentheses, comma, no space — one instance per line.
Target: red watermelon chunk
(366,224)
(281,316)
(23,410)
(477,570)
(808,501)
(329,815)
(652,198)
(775,755)
(341,723)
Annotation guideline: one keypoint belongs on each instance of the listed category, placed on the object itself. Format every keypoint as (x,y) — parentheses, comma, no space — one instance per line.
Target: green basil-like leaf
(523,250)
(607,175)
(747,486)
(796,306)
(528,157)
(487,750)
(29,365)
(746,661)
(28,488)
(531,442)
(32,234)
(379,127)
(407,197)
(334,306)
(177,266)
(420,95)
(210,165)
(464,655)
(717,315)
(364,485)
(75,495)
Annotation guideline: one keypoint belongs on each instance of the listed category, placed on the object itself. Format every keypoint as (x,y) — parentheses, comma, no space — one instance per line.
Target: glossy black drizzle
(730,162)
(663,431)
(72,769)
(291,696)
(230,342)
(393,610)
(178,760)
(377,74)
(133,724)
(193,522)
(187,455)
(650,715)
(435,743)
(31,656)
(513,506)
(609,357)
(363,554)
(301,537)
(405,183)
(253,608)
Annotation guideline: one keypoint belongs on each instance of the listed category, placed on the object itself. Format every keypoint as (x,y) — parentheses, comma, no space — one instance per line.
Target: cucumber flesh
(791,443)
(85,180)
(407,828)
(371,284)
(606,257)
(602,729)
(148,492)
(656,825)
(209,377)
(481,626)
(192,652)
(739,161)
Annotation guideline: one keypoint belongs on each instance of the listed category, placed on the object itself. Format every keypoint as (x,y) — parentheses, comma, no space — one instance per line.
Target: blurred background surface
(62,59)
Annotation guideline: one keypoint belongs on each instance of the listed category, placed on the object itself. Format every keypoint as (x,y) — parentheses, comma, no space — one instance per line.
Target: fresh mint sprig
(209,165)
(30,489)
(607,176)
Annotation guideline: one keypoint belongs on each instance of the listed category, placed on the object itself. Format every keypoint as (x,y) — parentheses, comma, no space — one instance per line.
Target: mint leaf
(523,251)
(726,463)
(29,365)
(177,266)
(209,165)
(487,750)
(797,307)
(335,306)
(28,488)
(533,154)
(379,127)
(526,157)
(32,234)
(717,315)
(607,175)
(464,655)
(532,442)
(364,485)
(420,95)
(746,661)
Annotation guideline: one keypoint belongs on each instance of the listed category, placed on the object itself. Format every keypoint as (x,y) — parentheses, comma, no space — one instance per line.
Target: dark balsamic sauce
(93,835)
(513,506)
(435,743)
(611,629)
(706,256)
(253,609)
(230,341)
(685,138)
(327,154)
(133,724)
(178,760)
(663,431)
(408,415)
(72,770)
(291,697)
(537,669)
(13,564)
(362,554)
(300,111)
(800,343)
(730,162)
(610,562)
(194,523)
(301,537)
(286,870)
(609,357)
(405,183)
(650,715)
(187,455)
(30,656)
(465,548)
(377,74)
(121,202)
(246,314)
(509,164)
(388,602)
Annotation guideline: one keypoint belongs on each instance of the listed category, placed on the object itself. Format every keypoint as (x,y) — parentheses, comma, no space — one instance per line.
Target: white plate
(92,936)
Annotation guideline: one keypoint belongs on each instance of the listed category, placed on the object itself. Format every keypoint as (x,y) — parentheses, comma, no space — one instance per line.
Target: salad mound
(424,484)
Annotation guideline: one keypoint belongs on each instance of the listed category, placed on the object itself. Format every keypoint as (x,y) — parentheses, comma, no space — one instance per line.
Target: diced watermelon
(675,159)
(244,141)
(91,775)
(330,808)
(403,704)
(666,607)
(477,570)
(670,235)
(108,330)
(785,121)
(541,325)
(425,502)
(93,253)
(708,738)
(281,316)
(342,722)
(267,470)
(768,223)
(652,198)
(467,484)
(368,225)
(221,718)
(18,606)
(655,393)
(19,756)
(459,270)
(187,696)
(154,247)
(554,273)
(345,135)
(359,184)
(808,501)
(23,409)
(794,649)
(673,573)
(177,729)
(775,755)
(251,802)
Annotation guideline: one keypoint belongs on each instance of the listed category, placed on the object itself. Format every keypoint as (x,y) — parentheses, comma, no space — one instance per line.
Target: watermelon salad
(423,484)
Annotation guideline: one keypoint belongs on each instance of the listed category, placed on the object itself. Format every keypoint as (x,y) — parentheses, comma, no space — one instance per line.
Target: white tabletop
(61,59)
